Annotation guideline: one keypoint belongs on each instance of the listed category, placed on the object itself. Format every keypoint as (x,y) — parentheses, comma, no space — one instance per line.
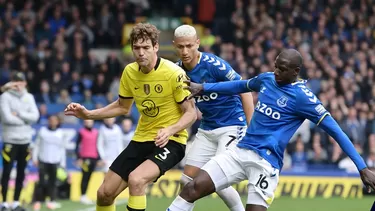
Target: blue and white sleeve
(234,87)
(329,125)
(309,106)
(222,70)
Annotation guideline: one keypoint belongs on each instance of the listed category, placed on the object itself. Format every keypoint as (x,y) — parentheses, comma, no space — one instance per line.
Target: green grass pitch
(280,204)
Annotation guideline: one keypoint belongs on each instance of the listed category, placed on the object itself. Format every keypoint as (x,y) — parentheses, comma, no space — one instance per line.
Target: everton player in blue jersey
(283,104)
(223,117)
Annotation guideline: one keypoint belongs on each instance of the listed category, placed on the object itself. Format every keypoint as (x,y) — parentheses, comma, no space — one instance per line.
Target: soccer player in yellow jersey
(156,86)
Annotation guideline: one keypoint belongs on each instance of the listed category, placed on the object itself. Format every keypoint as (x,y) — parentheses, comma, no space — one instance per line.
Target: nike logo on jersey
(262,89)
(136,88)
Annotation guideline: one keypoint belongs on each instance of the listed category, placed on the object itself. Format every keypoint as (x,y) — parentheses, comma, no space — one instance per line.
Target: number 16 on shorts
(262,182)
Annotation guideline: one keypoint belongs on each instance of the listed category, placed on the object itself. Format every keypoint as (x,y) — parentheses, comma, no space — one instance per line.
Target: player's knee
(191,171)
(105,197)
(136,183)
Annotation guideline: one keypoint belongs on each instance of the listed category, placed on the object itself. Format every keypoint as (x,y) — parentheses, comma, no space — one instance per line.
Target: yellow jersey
(157,96)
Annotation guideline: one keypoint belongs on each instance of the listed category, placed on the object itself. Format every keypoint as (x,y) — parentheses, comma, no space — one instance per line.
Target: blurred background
(75,50)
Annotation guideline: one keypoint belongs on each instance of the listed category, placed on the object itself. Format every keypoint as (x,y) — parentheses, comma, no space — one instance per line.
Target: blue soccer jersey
(279,112)
(218,110)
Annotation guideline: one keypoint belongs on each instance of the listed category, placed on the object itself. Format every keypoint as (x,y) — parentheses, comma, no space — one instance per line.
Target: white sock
(231,198)
(180,204)
(5,204)
(15,204)
(185,179)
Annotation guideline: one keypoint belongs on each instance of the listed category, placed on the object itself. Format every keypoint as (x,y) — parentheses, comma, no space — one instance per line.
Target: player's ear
(156,47)
(296,71)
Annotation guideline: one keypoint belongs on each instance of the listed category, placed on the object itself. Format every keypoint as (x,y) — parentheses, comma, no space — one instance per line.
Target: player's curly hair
(144,31)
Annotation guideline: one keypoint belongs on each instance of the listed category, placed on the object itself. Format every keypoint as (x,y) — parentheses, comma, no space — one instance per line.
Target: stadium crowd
(52,44)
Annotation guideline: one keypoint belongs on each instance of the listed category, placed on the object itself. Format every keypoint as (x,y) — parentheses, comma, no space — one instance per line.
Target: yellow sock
(106,208)
(137,203)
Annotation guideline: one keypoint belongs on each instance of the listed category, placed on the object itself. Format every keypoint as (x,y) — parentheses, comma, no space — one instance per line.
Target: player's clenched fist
(77,110)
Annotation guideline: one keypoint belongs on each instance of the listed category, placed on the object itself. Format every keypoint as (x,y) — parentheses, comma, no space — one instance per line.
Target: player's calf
(138,181)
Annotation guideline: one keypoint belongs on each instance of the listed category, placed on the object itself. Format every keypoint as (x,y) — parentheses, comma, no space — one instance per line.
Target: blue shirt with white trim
(218,110)
(279,112)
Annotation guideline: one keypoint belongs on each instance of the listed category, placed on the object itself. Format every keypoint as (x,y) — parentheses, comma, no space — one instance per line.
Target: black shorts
(138,152)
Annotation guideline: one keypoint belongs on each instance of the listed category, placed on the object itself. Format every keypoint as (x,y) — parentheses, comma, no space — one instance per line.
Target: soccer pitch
(280,204)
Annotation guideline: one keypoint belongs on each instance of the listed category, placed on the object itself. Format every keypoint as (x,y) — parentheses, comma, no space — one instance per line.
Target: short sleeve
(177,83)
(309,106)
(223,71)
(124,90)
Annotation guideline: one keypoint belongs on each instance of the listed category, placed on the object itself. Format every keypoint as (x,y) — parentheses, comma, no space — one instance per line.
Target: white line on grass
(120,202)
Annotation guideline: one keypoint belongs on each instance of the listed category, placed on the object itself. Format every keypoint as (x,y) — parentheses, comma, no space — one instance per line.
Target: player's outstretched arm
(120,107)
(329,125)
(228,87)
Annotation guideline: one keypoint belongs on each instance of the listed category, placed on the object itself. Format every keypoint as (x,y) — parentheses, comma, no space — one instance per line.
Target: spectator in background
(114,66)
(109,142)
(353,127)
(56,83)
(347,164)
(303,132)
(370,159)
(43,110)
(79,62)
(114,86)
(45,95)
(317,155)
(100,86)
(64,97)
(57,21)
(75,85)
(103,33)
(18,112)
(299,156)
(65,72)
(87,155)
(207,40)
(87,99)
(49,153)
(128,131)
